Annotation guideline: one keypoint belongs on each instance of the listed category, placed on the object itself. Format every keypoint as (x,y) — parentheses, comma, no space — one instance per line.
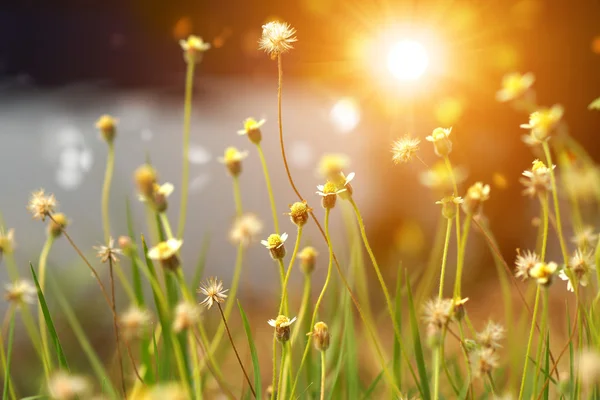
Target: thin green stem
(436,373)
(11,332)
(277,389)
(263,161)
(110,166)
(533,322)
(274,377)
(461,256)
(458,236)
(322,375)
(561,239)
(545,221)
(445,257)
(185,174)
(42,280)
(164,220)
(116,326)
(237,196)
(289,271)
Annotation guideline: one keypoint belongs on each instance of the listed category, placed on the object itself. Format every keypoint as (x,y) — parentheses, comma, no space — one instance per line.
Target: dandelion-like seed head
(483,362)
(245,229)
(404,149)
(585,238)
(543,272)
(524,263)
(542,122)
(514,85)
(321,336)
(107,126)
(449,205)
(166,253)
(109,252)
(135,322)
(537,181)
(578,270)
(437,312)
(145,178)
(282,327)
(252,129)
(187,314)
(440,137)
(233,160)
(491,335)
(275,245)
(214,292)
(65,386)
(476,195)
(20,291)
(299,213)
(41,205)
(7,241)
(193,48)
(167,391)
(308,259)
(277,38)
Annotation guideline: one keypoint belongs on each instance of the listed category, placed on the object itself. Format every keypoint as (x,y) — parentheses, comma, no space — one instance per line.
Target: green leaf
(253,353)
(41,396)
(62,360)
(11,335)
(420,360)
(397,360)
(595,105)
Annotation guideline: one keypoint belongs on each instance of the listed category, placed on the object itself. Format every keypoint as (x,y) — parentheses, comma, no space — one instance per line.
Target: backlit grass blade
(418,348)
(62,360)
(397,360)
(11,335)
(199,271)
(253,352)
(138,288)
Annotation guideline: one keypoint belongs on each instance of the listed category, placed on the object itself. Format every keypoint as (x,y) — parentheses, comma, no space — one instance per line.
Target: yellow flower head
(252,129)
(440,137)
(321,336)
(107,127)
(404,149)
(308,258)
(57,224)
(275,245)
(166,253)
(476,195)
(538,179)
(514,85)
(449,204)
(282,327)
(543,121)
(277,38)
(145,178)
(543,272)
(193,48)
(7,241)
(233,160)
(331,165)
(299,212)
(328,192)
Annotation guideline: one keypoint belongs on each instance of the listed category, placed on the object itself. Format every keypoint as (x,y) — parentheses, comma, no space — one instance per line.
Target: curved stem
(289,270)
(263,161)
(445,258)
(110,165)
(185,174)
(42,280)
(322,375)
(561,239)
(237,196)
(116,326)
(533,322)
(235,350)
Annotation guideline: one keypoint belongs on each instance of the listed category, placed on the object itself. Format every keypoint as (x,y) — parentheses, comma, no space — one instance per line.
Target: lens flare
(407,60)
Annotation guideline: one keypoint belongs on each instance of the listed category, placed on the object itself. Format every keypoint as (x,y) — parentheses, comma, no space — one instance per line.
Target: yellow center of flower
(232,155)
(250,124)
(308,253)
(332,164)
(538,165)
(514,84)
(440,134)
(298,208)
(274,241)
(329,188)
(281,320)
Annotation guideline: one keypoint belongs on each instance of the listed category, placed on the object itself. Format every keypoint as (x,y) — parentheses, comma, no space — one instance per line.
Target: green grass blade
(546,371)
(418,348)
(85,344)
(62,360)
(352,372)
(136,277)
(11,335)
(372,386)
(397,360)
(41,396)
(199,271)
(253,352)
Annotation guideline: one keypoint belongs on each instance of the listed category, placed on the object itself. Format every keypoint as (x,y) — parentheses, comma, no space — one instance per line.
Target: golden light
(407,60)
(345,115)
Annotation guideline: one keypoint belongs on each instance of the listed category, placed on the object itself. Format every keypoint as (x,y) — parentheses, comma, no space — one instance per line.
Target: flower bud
(299,213)
(282,327)
(145,179)
(275,245)
(308,258)
(126,245)
(57,224)
(107,126)
(321,336)
(449,204)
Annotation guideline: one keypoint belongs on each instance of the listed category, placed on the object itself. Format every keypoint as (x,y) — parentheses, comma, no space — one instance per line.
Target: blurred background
(64,63)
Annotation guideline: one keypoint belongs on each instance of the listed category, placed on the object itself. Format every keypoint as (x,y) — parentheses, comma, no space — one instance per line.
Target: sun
(407,60)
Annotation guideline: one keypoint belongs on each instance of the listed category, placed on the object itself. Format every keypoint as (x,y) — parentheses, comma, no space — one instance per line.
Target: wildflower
(245,228)
(21,291)
(307,257)
(343,186)
(135,322)
(159,198)
(233,160)
(193,48)
(282,327)
(275,245)
(7,241)
(187,315)
(449,205)
(107,126)
(491,335)
(525,262)
(252,130)
(166,253)
(543,272)
(458,308)
(404,149)
(441,142)
(321,336)
(106,253)
(537,181)
(64,386)
(515,85)
(214,292)
(329,193)
(41,205)
(542,122)
(126,245)
(483,362)
(299,212)
(439,177)
(580,267)
(437,312)
(277,38)
(145,179)
(331,165)
(585,238)
(57,225)
(476,195)
(589,367)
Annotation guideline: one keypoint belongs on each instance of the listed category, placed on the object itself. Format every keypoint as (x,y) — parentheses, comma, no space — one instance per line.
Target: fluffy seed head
(404,148)
(277,38)
(437,312)
(41,205)
(245,229)
(233,160)
(299,213)
(585,238)
(187,315)
(515,85)
(476,195)
(321,336)
(282,327)
(107,127)
(578,270)
(275,245)
(64,386)
(308,259)
(252,129)
(106,253)
(483,362)
(20,291)
(135,322)
(440,137)
(214,292)
(491,335)
(525,262)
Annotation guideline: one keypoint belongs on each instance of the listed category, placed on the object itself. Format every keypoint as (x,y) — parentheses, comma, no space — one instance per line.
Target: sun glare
(407,60)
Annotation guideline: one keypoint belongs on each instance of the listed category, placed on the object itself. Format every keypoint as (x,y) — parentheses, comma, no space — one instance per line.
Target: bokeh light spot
(407,60)
(345,115)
